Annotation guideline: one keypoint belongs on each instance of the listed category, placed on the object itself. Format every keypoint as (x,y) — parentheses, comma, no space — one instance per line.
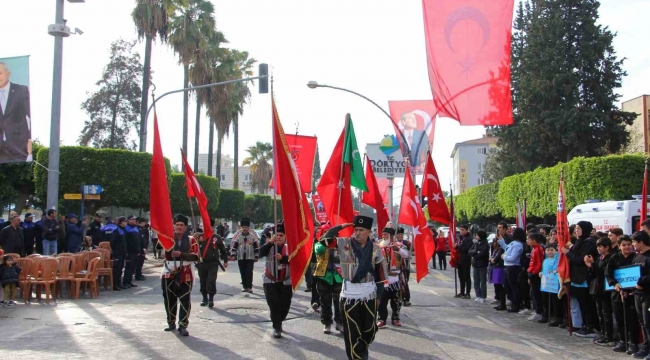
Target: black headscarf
(586,227)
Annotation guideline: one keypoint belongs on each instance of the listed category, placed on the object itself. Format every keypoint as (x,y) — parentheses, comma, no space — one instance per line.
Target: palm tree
(260,156)
(151,18)
(191,29)
(202,71)
(241,95)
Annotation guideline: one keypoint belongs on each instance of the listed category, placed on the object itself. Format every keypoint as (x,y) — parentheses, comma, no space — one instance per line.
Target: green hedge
(178,194)
(124,175)
(231,204)
(614,177)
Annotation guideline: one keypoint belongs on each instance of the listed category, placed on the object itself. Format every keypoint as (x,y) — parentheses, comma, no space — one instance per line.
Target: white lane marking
(26,332)
(142,291)
(434,292)
(536,347)
(266,337)
(452,303)
(485,320)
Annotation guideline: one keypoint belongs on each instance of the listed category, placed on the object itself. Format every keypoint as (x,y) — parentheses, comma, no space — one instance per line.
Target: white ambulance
(605,215)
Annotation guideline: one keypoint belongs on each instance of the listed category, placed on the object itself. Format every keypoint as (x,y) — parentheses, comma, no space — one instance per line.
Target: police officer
(106,231)
(133,246)
(144,245)
(94,230)
(118,246)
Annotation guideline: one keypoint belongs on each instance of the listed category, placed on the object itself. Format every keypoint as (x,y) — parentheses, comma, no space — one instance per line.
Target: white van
(609,214)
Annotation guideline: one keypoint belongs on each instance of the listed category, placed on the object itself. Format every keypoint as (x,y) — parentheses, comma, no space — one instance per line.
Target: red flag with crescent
(194,190)
(431,189)
(468,58)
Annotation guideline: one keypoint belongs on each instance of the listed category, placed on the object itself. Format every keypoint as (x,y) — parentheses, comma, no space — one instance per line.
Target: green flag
(352,156)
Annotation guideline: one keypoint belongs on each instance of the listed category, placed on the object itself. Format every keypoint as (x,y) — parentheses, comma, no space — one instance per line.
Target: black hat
(389,229)
(131,217)
(400,230)
(199,230)
(28,215)
(363,221)
(181,218)
(245,222)
(279,228)
(98,215)
(139,220)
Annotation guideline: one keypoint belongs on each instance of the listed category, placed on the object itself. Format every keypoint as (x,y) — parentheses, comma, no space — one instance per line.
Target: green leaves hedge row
(231,204)
(614,177)
(178,194)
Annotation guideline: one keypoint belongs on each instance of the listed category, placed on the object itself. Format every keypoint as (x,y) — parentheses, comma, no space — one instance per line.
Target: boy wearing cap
(245,247)
(277,278)
(177,276)
(364,273)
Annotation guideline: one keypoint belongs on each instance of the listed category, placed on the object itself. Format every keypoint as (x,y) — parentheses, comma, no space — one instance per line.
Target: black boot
(205,299)
(211,302)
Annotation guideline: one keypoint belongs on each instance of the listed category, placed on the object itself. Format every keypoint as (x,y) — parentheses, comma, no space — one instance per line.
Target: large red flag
(303,154)
(563,237)
(373,197)
(337,172)
(468,57)
(194,190)
(410,213)
(431,189)
(159,205)
(644,197)
(298,224)
(417,121)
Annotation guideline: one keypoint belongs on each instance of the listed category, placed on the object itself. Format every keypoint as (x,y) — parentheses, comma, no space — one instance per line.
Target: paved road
(128,325)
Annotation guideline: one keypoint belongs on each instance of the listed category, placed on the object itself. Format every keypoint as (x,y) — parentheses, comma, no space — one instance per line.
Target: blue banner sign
(626,276)
(550,283)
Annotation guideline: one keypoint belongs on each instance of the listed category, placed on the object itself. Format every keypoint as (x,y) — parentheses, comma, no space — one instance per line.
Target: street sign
(93,197)
(92,189)
(72,196)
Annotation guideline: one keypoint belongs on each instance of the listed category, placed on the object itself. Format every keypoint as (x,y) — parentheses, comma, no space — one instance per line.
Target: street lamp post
(59,30)
(391,178)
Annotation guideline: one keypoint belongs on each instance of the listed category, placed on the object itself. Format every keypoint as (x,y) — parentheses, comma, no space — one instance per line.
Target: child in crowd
(641,242)
(9,277)
(535,241)
(597,291)
(554,306)
(623,299)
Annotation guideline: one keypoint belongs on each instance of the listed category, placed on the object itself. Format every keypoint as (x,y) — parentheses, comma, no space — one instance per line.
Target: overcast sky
(375,47)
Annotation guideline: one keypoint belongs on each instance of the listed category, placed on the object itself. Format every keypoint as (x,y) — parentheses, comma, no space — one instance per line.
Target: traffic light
(264,82)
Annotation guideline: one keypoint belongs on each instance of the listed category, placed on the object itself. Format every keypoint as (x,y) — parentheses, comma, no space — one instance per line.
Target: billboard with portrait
(416,119)
(15,115)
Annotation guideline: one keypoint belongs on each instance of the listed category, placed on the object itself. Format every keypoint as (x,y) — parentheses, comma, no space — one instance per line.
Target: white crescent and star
(355,152)
(436,197)
(433,178)
(415,207)
(467,13)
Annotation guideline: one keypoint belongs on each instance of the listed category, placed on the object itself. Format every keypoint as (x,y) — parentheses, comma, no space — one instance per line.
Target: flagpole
(275,163)
(340,184)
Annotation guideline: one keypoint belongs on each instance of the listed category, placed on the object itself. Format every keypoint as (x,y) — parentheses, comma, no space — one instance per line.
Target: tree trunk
(210,147)
(196,135)
(186,82)
(145,94)
(21,203)
(113,125)
(235,172)
(218,170)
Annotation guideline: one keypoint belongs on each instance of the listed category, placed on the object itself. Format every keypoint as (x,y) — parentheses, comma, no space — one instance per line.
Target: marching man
(245,248)
(406,268)
(177,277)
(393,252)
(277,278)
(213,252)
(364,271)
(328,282)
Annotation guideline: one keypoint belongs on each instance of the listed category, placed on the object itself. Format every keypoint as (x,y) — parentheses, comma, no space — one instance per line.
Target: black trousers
(556,307)
(139,263)
(406,291)
(642,304)
(118,266)
(512,286)
(309,279)
(278,297)
(625,314)
(360,326)
(524,290)
(442,259)
(500,294)
(208,277)
(129,267)
(393,296)
(175,294)
(246,272)
(465,277)
(535,286)
(39,246)
(587,306)
(329,295)
(29,247)
(604,308)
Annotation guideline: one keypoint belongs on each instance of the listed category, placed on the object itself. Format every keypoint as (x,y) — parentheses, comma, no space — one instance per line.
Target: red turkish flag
(431,189)
(410,213)
(373,197)
(299,230)
(417,121)
(194,190)
(159,205)
(644,197)
(468,57)
(334,176)
(303,154)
